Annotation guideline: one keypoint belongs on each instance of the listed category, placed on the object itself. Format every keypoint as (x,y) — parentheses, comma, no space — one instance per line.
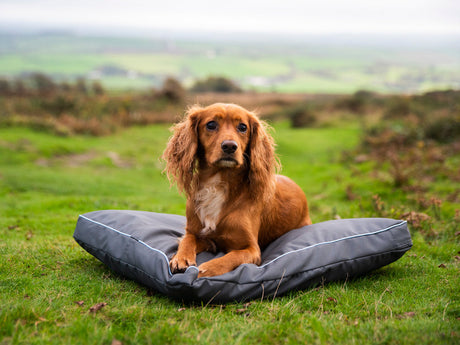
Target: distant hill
(313,64)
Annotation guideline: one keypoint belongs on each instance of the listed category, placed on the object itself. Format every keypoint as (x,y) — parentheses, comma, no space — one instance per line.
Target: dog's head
(224,132)
(220,136)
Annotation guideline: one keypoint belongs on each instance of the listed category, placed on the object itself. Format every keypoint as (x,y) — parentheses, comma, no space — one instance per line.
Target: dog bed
(139,245)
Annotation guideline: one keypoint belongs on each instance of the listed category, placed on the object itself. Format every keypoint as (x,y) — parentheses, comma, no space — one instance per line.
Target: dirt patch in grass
(82,159)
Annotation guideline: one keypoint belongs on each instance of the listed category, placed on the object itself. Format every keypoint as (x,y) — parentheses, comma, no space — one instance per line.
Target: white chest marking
(209,202)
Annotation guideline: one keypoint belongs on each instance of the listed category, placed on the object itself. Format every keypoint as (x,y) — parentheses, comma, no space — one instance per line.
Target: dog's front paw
(211,269)
(180,264)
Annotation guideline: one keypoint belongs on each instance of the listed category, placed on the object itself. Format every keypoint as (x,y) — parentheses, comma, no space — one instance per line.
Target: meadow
(51,290)
(283,64)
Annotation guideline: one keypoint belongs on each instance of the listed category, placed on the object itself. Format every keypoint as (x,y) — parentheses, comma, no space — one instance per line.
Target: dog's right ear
(181,152)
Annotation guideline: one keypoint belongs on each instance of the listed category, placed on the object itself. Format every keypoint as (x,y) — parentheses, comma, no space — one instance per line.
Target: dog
(223,158)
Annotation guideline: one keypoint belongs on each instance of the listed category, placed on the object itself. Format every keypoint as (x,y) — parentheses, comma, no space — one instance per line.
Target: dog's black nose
(229,146)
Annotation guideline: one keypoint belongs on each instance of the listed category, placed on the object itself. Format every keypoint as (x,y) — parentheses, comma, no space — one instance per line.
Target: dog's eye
(211,125)
(242,128)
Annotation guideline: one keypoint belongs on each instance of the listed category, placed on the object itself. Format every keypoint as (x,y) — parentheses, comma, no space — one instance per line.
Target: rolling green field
(282,64)
(48,283)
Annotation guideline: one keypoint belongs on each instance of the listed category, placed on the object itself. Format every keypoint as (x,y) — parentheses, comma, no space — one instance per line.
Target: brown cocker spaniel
(223,158)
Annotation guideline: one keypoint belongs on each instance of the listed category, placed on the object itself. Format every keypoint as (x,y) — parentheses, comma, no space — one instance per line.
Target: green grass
(313,84)
(321,67)
(47,181)
(165,64)
(50,64)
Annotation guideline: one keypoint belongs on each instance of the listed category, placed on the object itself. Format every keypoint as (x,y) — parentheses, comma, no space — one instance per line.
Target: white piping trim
(193,266)
(105,226)
(337,240)
(127,235)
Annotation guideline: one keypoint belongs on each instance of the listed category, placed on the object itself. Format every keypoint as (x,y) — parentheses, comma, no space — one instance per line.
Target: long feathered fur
(235,200)
(181,153)
(263,162)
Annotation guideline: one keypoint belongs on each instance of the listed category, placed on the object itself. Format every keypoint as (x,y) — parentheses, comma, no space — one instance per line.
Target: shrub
(172,90)
(215,84)
(358,102)
(59,105)
(19,88)
(98,88)
(438,99)
(397,107)
(80,86)
(65,87)
(443,129)
(301,116)
(5,88)
(43,84)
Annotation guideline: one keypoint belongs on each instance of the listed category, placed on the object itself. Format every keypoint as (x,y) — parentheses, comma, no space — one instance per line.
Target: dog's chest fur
(209,202)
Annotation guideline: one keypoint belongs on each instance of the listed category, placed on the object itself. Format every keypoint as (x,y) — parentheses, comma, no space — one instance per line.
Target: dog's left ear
(263,162)
(181,152)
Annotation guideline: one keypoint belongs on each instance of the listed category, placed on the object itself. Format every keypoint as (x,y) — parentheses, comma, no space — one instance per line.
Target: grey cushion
(138,245)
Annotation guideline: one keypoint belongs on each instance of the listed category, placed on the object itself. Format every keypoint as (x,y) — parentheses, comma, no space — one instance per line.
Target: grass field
(281,64)
(48,283)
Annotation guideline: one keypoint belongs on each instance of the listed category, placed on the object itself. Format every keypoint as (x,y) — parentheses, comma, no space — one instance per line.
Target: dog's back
(289,210)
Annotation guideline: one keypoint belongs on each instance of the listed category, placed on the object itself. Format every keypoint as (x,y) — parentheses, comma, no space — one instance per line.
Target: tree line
(40,84)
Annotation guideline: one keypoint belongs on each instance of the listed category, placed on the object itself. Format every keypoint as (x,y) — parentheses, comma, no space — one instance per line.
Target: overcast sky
(282,16)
